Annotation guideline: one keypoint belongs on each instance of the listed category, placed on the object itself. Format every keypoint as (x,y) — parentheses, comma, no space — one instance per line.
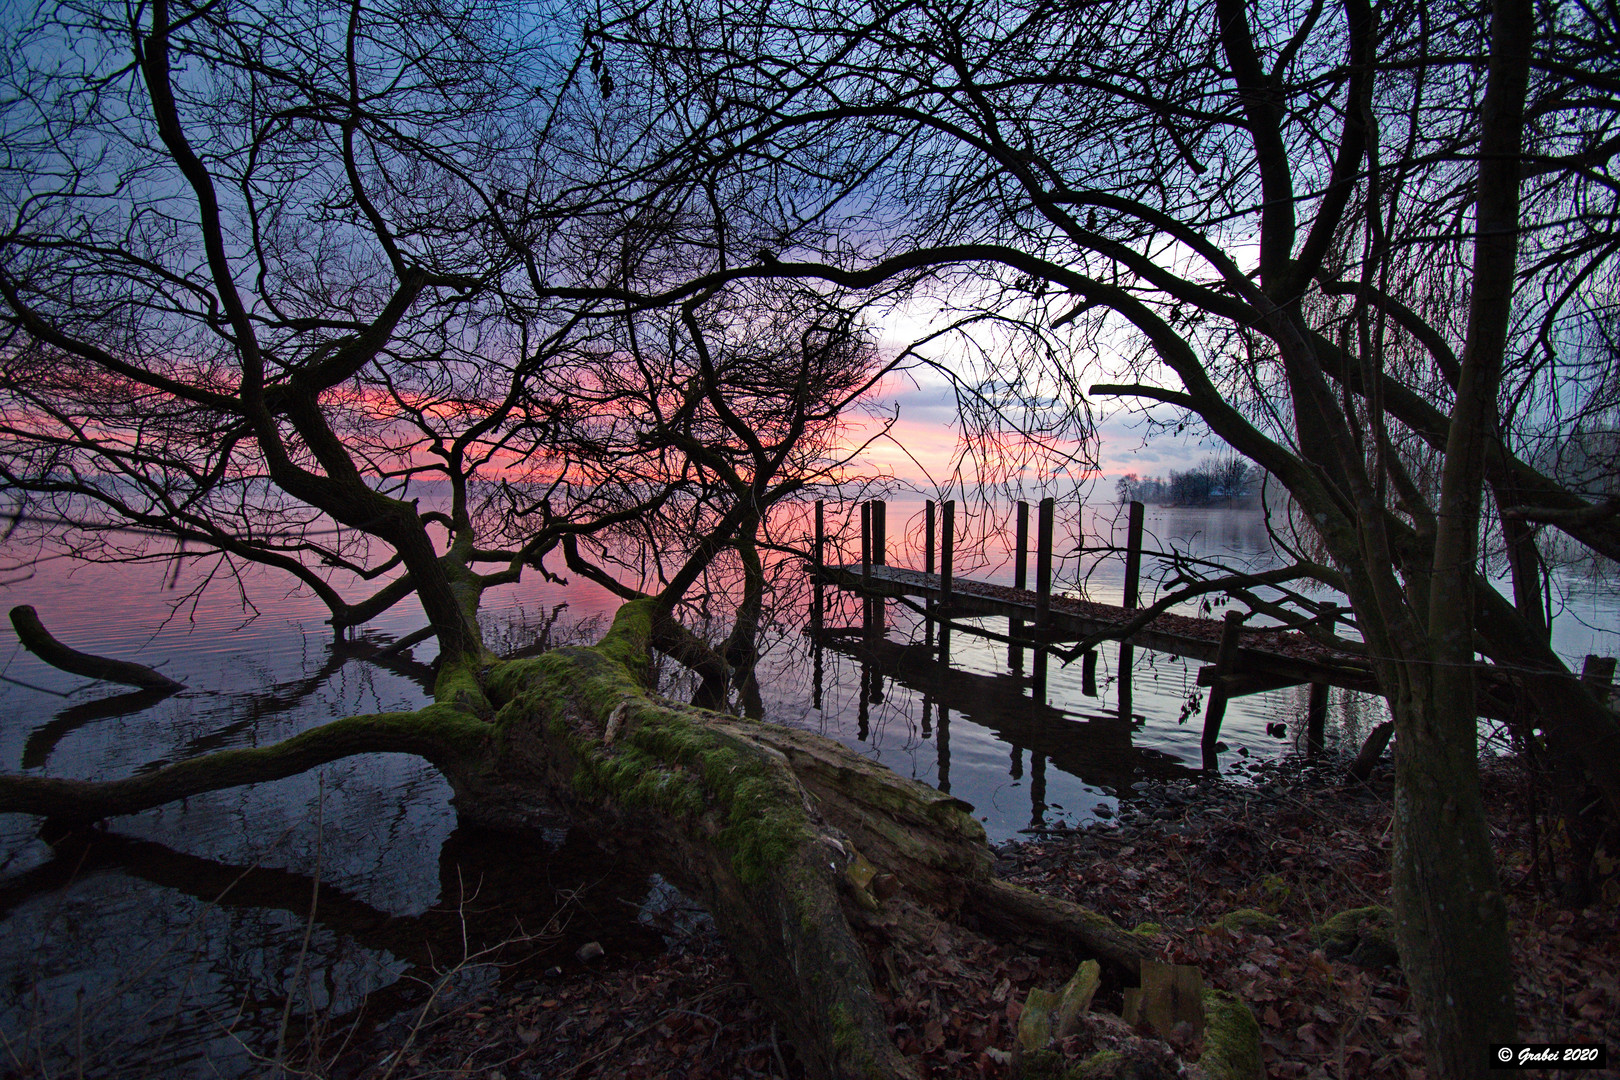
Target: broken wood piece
(37,640)
(1075,998)
(1371,751)
(1170,994)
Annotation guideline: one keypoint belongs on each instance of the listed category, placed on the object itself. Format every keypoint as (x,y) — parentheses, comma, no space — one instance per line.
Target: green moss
(851,1045)
(1040,1065)
(1147,929)
(1278,891)
(458,684)
(1364,935)
(1248,920)
(1103,1065)
(629,639)
(1035,1020)
(663,756)
(1231,1039)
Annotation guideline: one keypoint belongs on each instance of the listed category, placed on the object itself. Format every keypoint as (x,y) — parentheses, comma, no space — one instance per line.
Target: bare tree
(1302,224)
(407,299)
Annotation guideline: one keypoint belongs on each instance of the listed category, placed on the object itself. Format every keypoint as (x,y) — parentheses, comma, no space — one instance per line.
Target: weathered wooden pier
(1240,659)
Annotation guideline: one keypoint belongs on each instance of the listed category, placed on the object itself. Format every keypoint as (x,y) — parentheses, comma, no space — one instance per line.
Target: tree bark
(797,845)
(1451,919)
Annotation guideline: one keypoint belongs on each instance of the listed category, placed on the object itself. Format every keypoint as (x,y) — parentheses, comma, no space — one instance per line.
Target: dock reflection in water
(1095,748)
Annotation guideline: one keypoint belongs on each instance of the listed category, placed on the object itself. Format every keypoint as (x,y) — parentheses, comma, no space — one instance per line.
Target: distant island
(1212,482)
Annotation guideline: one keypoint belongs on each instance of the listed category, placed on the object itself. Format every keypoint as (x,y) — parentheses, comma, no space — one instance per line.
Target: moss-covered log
(796,844)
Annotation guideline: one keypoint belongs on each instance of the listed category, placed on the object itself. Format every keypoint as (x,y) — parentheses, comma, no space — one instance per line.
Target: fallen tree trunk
(799,847)
(38,640)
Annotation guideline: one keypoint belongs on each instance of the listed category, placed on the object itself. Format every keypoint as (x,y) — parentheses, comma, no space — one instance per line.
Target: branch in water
(38,640)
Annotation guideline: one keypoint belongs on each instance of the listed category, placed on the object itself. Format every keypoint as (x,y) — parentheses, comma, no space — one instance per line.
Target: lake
(173,943)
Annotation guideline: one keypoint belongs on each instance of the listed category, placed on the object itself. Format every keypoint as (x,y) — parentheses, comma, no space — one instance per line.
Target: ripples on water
(174,942)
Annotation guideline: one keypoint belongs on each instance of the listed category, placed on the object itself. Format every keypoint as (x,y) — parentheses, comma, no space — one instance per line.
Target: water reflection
(518,902)
(1009,708)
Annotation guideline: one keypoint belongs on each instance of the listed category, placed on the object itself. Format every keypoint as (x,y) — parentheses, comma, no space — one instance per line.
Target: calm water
(172,945)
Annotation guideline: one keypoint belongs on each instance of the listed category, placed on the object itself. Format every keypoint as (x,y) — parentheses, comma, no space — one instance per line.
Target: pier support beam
(1131,601)
(1316,710)
(866,570)
(1043,567)
(928,568)
(1015,627)
(880,557)
(947,554)
(818,591)
(1225,665)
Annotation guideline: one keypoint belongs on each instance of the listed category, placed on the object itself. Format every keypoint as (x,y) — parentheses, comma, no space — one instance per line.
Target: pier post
(1225,664)
(1088,673)
(863,708)
(880,557)
(928,568)
(1037,791)
(1316,720)
(1597,672)
(1043,566)
(1131,600)
(1317,709)
(817,674)
(1043,591)
(1133,556)
(866,545)
(818,592)
(866,570)
(1015,627)
(947,552)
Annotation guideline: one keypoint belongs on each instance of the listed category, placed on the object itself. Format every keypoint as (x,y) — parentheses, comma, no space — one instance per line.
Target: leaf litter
(1231,877)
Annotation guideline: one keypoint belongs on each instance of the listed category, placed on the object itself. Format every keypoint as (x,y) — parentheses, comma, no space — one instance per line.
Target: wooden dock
(1268,659)
(1240,659)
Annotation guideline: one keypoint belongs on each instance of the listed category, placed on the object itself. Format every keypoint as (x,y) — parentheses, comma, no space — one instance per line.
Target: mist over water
(176,942)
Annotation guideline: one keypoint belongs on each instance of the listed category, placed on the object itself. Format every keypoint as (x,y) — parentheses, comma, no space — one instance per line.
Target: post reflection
(1037,790)
(1095,748)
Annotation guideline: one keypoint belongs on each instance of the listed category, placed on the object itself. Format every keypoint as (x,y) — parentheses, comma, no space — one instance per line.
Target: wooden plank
(1245,683)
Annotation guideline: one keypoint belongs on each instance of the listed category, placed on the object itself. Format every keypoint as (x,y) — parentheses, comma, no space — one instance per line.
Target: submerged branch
(38,640)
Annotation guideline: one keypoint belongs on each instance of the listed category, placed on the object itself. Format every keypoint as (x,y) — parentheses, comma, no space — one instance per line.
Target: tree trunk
(798,846)
(1451,918)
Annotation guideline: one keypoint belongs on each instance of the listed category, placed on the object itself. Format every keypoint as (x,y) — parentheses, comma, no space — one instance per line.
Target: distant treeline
(1211,481)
